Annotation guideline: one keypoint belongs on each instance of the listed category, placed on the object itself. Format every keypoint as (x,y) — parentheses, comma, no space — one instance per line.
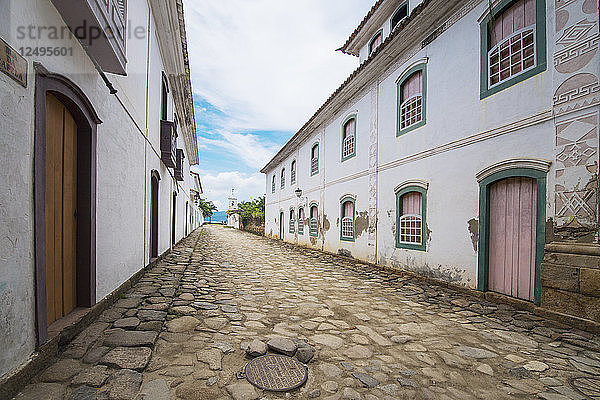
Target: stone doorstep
(46,353)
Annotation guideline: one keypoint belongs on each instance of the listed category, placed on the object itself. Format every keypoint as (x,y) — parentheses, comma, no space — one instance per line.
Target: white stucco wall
(127,150)
(462,136)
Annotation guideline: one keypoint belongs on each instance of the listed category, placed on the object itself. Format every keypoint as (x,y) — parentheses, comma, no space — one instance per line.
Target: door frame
(281,224)
(174,219)
(530,168)
(154,219)
(87,121)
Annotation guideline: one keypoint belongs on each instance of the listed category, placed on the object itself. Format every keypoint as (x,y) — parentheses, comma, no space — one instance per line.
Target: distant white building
(233,213)
(464,148)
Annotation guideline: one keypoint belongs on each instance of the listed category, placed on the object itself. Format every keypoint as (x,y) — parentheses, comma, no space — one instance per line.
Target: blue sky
(260,69)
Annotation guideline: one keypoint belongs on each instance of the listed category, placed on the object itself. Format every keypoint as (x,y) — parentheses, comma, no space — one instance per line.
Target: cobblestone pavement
(182,332)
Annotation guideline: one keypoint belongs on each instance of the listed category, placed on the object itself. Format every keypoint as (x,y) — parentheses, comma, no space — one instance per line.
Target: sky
(260,69)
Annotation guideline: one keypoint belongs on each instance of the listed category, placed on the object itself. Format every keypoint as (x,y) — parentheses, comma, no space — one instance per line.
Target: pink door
(512,237)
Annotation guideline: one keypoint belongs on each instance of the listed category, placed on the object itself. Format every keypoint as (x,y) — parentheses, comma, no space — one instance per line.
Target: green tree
(253,209)
(207,207)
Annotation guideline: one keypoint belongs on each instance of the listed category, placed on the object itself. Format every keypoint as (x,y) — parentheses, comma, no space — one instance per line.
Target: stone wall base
(570,275)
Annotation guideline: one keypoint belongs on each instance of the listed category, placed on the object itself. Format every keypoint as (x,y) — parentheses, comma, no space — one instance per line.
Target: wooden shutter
(520,15)
(412,86)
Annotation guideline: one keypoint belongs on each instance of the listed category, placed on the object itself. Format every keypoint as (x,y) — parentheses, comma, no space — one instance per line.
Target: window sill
(410,128)
(512,81)
(344,239)
(419,247)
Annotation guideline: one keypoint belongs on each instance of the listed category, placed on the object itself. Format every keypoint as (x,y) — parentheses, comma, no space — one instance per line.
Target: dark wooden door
(513,237)
(153,217)
(61,202)
(281,226)
(173,221)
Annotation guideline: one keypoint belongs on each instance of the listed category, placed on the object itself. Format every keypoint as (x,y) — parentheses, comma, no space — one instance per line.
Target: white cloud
(217,187)
(248,147)
(269,64)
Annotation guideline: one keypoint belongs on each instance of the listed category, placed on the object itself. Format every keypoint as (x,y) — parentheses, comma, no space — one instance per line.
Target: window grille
(292,224)
(293,173)
(273,186)
(301,222)
(347,228)
(411,229)
(314,165)
(314,226)
(348,146)
(282,178)
(512,56)
(411,111)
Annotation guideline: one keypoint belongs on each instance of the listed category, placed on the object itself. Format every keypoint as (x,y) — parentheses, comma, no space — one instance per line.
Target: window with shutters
(292,221)
(513,44)
(347,220)
(376,41)
(314,220)
(314,159)
(398,16)
(293,173)
(273,185)
(411,99)
(411,229)
(283,178)
(301,221)
(349,138)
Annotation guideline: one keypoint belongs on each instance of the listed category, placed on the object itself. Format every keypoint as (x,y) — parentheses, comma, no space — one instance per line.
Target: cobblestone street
(183,330)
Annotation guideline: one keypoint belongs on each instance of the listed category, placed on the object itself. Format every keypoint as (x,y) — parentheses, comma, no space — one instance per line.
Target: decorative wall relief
(576,108)
(374,90)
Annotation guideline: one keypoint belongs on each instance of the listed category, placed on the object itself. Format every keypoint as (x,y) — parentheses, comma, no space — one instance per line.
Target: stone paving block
(135,358)
(42,391)
(62,371)
(130,338)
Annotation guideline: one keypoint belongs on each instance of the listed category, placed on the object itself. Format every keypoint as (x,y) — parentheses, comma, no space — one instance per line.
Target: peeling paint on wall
(344,252)
(361,223)
(451,274)
(473,225)
(326,224)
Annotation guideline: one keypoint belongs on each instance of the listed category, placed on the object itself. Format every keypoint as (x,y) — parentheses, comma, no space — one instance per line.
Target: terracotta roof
(395,33)
(359,27)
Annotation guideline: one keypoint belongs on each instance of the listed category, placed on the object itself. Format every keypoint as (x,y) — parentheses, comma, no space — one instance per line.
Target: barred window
(314,221)
(314,159)
(273,185)
(411,106)
(301,221)
(283,178)
(293,173)
(512,44)
(292,221)
(349,139)
(411,228)
(347,220)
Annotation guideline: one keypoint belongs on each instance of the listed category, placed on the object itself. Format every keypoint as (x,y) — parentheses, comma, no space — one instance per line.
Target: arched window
(293,173)
(399,15)
(349,139)
(411,227)
(347,219)
(292,221)
(511,48)
(273,185)
(301,221)
(376,41)
(513,44)
(314,220)
(412,89)
(283,178)
(314,159)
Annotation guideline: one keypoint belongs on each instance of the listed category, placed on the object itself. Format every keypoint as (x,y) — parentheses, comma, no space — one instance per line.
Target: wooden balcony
(100,27)
(168,143)
(178,172)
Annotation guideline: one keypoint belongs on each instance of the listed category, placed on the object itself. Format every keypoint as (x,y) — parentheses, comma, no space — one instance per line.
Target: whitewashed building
(98,137)
(464,148)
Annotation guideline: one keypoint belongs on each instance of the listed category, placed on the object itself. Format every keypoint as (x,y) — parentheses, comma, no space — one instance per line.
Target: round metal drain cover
(276,373)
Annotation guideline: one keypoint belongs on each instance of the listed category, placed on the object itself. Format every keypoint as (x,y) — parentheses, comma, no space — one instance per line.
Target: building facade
(98,137)
(463,148)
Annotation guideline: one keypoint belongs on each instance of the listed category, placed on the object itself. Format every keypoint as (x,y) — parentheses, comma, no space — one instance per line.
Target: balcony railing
(100,26)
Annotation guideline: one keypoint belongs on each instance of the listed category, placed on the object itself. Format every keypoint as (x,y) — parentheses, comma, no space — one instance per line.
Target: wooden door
(512,242)
(173,220)
(61,202)
(281,226)
(153,217)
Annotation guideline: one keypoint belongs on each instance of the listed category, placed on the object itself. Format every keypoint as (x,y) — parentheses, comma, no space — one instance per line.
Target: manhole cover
(276,373)
(588,386)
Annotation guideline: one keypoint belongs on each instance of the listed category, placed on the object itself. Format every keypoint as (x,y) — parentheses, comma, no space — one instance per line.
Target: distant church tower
(233,203)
